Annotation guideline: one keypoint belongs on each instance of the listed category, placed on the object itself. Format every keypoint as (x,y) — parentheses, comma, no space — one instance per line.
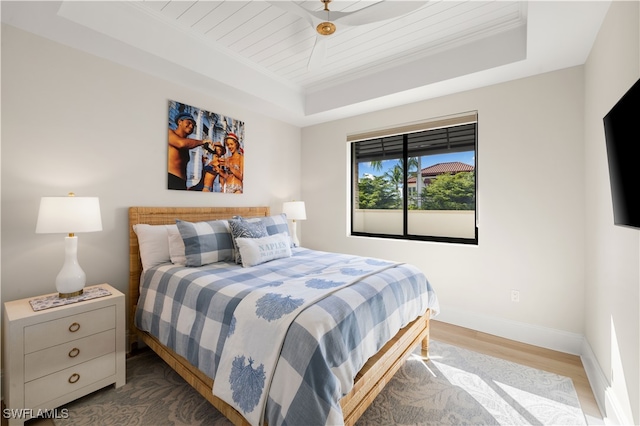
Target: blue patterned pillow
(276,224)
(206,242)
(241,228)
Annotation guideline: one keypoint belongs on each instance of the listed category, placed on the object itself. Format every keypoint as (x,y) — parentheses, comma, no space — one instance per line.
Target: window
(433,197)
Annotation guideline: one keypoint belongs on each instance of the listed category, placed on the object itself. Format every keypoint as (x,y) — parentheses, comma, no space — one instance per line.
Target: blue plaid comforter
(191,311)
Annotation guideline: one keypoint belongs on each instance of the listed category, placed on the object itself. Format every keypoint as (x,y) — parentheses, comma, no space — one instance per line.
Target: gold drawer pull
(74,327)
(74,352)
(74,378)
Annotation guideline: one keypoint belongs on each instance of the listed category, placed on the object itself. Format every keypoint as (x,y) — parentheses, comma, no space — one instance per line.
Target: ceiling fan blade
(318,54)
(292,7)
(377,12)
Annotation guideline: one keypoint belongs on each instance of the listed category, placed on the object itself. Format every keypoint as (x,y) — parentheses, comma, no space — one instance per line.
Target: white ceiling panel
(263,48)
(276,41)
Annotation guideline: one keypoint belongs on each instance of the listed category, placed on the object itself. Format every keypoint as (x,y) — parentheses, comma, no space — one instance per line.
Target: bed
(372,370)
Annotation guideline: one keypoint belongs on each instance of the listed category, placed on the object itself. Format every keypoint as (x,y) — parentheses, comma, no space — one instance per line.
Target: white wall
(74,122)
(612,323)
(531,208)
(546,224)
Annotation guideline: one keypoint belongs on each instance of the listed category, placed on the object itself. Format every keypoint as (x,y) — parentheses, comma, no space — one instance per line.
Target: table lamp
(295,211)
(69,215)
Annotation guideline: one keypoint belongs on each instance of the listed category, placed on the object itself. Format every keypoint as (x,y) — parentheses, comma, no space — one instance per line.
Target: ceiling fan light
(326,28)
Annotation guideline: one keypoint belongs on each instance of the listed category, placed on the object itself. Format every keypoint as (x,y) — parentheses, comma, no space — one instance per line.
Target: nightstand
(55,355)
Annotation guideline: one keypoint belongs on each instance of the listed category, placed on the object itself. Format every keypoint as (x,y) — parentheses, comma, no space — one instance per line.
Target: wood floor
(532,356)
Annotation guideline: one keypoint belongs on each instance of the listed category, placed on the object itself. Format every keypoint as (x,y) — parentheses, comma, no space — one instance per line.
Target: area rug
(455,387)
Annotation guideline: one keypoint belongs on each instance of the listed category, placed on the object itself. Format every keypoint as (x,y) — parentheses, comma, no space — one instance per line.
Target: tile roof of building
(440,168)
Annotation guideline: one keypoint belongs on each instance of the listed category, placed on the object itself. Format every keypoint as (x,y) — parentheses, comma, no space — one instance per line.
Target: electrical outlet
(515,296)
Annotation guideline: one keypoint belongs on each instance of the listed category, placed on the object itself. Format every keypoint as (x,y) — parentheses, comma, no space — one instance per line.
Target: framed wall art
(205,151)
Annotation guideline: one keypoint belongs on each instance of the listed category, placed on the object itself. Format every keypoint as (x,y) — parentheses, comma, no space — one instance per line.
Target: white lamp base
(294,235)
(71,279)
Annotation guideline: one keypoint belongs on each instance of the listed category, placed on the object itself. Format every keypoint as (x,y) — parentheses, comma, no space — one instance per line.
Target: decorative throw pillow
(255,251)
(241,228)
(153,241)
(276,224)
(206,242)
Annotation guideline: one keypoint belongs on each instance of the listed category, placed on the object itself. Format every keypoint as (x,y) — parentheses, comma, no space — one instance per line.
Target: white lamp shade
(69,215)
(294,210)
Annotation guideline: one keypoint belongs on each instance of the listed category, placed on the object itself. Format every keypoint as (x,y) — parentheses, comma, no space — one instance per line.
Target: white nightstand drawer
(47,334)
(47,361)
(53,356)
(38,392)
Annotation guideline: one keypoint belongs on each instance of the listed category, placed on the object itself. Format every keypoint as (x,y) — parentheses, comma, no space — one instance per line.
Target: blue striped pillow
(206,242)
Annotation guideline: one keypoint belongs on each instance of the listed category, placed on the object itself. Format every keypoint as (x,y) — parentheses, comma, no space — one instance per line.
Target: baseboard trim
(544,337)
(605,398)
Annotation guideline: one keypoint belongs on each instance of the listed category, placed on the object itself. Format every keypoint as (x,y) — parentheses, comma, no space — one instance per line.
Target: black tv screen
(622,135)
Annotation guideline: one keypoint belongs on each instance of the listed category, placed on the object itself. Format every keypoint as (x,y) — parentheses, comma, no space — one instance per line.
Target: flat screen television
(622,136)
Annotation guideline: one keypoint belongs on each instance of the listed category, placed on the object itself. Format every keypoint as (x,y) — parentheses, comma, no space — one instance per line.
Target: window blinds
(443,135)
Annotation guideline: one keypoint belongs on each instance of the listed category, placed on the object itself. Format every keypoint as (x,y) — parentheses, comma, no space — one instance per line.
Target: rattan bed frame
(371,379)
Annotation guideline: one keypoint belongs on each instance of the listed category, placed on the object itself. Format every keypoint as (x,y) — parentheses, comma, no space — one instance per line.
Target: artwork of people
(205,151)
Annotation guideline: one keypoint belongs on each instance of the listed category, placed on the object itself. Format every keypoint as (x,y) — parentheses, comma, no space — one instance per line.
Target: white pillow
(153,241)
(255,251)
(176,246)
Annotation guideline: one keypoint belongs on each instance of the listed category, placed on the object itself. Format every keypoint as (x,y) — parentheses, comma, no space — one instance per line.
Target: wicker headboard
(165,216)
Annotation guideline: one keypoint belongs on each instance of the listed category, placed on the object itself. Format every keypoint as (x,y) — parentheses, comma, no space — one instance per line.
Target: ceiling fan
(324,21)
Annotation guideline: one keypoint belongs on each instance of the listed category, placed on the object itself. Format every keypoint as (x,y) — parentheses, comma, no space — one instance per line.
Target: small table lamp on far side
(295,211)
(69,215)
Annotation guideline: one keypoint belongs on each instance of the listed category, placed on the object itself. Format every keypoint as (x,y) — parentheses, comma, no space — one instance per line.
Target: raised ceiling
(270,37)
(258,52)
